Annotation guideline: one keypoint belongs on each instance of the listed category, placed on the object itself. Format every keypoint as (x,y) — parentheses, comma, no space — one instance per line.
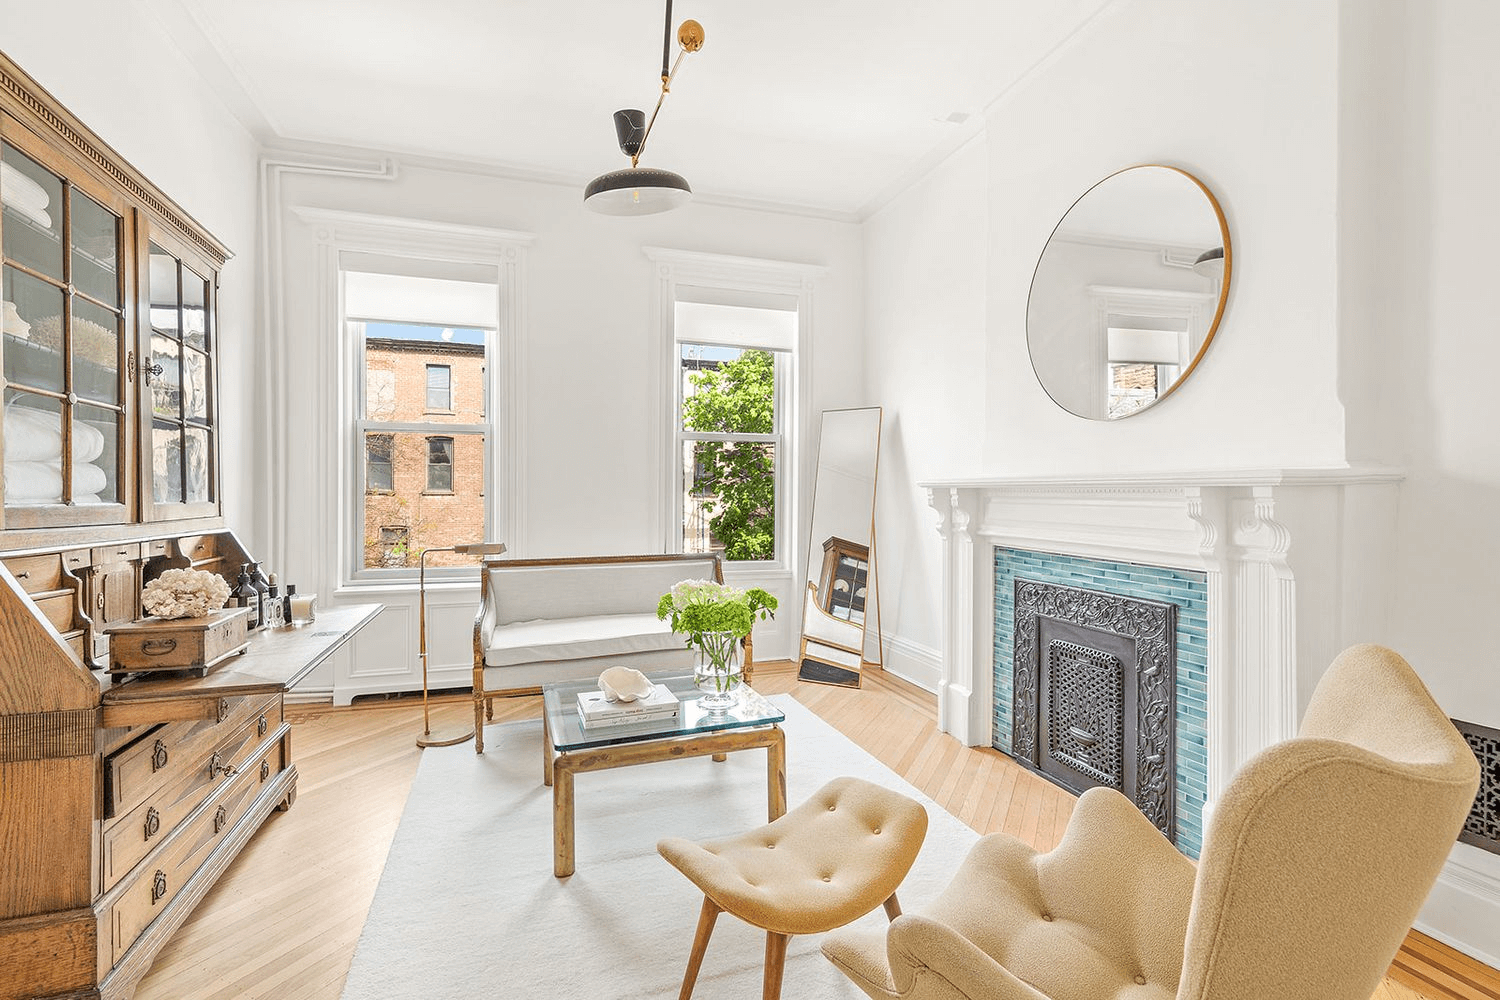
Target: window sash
(780,417)
(440,464)
(439,387)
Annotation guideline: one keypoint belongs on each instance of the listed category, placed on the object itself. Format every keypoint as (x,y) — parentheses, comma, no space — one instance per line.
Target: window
(439,465)
(732,368)
(422,348)
(440,388)
(378,472)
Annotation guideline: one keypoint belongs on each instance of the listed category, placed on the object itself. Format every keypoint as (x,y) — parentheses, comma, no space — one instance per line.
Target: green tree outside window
(737,397)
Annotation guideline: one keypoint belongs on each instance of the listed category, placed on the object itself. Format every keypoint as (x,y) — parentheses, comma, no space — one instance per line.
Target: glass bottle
(246,596)
(273,603)
(262,590)
(286,602)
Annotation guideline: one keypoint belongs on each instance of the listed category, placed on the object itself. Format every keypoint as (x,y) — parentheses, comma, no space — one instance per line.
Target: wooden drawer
(77,559)
(36,574)
(59,610)
(198,547)
(129,838)
(154,547)
(162,875)
(123,552)
(164,754)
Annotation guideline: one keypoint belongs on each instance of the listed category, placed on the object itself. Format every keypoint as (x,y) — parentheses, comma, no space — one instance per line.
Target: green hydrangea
(697,606)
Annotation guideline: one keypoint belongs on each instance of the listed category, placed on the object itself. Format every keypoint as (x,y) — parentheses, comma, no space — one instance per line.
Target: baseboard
(911,661)
(309,696)
(1463,910)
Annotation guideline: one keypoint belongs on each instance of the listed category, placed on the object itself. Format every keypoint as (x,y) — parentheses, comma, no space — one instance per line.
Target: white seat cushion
(575,638)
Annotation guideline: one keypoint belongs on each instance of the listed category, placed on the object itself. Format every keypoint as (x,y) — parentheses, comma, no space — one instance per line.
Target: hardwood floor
(283,921)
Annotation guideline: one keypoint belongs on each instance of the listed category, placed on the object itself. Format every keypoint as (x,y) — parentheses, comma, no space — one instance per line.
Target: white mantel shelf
(1353,475)
(1285,552)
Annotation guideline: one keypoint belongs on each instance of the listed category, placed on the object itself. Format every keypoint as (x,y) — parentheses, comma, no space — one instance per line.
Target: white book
(593,706)
(667,714)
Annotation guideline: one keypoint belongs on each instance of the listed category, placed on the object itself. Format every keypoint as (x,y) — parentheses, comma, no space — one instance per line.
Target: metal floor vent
(1482,828)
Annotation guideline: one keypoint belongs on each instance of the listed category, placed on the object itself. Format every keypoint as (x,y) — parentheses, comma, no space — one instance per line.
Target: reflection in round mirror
(1128,292)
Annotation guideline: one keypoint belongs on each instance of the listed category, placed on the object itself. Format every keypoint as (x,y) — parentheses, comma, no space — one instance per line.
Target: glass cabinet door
(64,346)
(179,344)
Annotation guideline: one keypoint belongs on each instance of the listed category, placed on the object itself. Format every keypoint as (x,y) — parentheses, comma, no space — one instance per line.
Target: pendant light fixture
(638,190)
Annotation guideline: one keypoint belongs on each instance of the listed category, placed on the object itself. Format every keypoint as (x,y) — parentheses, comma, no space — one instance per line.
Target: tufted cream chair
(1317,858)
(831,860)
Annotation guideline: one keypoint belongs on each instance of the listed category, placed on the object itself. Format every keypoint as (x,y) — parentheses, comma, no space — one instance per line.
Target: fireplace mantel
(1289,556)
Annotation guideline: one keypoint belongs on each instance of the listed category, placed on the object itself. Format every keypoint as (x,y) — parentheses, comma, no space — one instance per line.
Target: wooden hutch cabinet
(122,798)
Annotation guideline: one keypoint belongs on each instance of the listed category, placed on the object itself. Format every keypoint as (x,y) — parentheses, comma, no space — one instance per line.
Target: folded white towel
(24,195)
(13,324)
(41,482)
(33,435)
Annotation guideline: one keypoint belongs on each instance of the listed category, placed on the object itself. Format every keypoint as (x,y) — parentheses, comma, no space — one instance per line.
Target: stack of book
(595,710)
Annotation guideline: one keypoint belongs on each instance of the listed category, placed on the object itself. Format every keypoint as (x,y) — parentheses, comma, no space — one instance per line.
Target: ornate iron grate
(1086,721)
(1482,828)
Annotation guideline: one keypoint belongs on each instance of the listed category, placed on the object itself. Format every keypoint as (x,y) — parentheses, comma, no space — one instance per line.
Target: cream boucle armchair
(1317,858)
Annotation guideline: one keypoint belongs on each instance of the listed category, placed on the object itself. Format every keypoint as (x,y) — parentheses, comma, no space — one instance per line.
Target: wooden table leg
(776,776)
(546,748)
(562,820)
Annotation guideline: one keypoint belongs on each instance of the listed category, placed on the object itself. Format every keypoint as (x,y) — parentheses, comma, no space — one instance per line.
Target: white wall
(1352,147)
(1433,354)
(591,481)
(113,66)
(925,265)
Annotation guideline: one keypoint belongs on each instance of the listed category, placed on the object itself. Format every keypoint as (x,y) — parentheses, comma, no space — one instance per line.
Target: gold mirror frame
(1057,371)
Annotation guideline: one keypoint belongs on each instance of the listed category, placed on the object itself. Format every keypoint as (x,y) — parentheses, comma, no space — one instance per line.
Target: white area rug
(468,907)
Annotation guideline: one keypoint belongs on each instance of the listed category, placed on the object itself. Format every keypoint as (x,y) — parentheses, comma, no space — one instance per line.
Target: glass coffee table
(569,748)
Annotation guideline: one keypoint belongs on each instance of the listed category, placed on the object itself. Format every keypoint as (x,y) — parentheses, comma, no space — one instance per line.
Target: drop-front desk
(122,802)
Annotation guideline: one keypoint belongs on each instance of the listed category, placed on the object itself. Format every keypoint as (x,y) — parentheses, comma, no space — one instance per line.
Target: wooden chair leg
(478,727)
(775,964)
(706,918)
(892,908)
(489,709)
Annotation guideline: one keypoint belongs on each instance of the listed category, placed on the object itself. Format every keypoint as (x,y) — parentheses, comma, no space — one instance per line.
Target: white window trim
(746,275)
(338,449)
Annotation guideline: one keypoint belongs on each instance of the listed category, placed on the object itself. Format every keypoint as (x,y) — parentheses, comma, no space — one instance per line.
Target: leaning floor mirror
(841,607)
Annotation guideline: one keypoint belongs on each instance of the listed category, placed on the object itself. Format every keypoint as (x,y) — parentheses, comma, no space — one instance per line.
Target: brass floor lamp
(481,549)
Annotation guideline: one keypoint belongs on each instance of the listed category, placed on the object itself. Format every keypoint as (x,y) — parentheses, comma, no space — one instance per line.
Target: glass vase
(717,669)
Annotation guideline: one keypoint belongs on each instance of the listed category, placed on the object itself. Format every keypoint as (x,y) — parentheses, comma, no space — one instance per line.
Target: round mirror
(1128,292)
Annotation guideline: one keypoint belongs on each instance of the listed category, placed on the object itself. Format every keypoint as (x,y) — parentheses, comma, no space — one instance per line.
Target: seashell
(624,684)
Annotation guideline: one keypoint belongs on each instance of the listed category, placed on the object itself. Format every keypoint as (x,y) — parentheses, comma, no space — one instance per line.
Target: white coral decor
(184,593)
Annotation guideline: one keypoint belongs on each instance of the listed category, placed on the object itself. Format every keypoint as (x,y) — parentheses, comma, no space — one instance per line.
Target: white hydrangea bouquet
(184,593)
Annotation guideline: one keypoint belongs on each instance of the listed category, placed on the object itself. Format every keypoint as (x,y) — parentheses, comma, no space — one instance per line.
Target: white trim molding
(1288,555)
(325,455)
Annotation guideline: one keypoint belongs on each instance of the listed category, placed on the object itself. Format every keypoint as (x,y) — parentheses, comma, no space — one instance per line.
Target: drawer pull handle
(261,726)
(223,709)
(25,574)
(153,822)
(99,601)
(199,547)
(265,770)
(158,886)
(158,647)
(158,756)
(220,819)
(215,768)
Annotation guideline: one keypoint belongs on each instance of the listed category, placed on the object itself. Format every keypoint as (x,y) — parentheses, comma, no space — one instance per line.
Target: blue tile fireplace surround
(1188,590)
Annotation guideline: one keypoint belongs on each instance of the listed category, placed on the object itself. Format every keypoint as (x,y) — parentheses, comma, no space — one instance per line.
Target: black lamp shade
(636,191)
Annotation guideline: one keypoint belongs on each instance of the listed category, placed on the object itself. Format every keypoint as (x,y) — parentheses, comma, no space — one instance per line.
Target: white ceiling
(829,107)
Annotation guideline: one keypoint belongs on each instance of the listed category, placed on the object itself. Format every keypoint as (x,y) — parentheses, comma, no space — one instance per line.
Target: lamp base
(445,738)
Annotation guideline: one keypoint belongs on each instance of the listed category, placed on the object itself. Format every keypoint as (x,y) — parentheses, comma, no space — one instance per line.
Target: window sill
(439,493)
